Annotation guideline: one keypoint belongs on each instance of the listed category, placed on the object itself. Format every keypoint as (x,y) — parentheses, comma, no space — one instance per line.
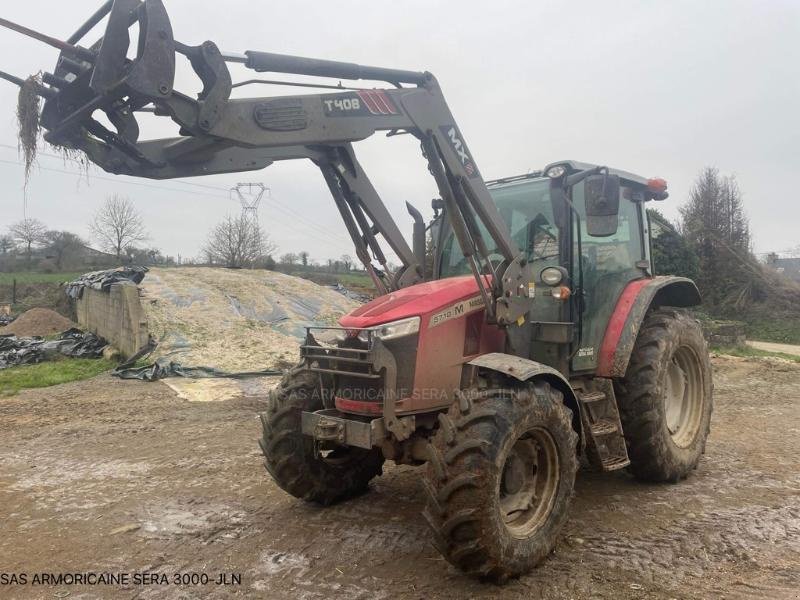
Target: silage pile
(238,320)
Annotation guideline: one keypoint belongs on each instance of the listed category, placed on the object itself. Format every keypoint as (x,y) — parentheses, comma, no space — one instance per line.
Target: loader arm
(218,134)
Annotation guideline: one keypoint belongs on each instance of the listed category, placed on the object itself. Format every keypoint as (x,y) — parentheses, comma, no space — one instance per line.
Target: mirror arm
(572,180)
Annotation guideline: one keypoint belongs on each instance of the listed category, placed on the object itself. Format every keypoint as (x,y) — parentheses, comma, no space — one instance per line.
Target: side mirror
(602,204)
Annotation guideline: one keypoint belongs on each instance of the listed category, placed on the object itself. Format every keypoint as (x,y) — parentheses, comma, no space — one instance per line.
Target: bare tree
(347,261)
(6,244)
(304,258)
(290,258)
(61,245)
(237,242)
(28,232)
(118,225)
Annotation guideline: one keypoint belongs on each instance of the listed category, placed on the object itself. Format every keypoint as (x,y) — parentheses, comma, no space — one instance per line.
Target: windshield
(527,210)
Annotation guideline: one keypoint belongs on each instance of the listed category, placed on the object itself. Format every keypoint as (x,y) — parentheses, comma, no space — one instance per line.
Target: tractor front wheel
(500,478)
(295,462)
(665,398)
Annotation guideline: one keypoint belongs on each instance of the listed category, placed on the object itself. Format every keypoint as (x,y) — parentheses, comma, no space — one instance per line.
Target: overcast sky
(657,88)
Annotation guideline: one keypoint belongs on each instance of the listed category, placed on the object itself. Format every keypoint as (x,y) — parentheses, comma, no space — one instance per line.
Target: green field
(15,379)
(781,329)
(31,277)
(355,279)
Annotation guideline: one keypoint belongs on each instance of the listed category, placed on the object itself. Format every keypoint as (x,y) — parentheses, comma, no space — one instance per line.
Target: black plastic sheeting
(164,367)
(30,350)
(362,298)
(103,280)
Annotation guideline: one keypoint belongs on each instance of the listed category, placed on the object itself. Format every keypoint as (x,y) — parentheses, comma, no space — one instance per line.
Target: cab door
(609,264)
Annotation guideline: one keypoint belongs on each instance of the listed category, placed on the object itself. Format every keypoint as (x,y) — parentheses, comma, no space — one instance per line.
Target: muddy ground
(116,476)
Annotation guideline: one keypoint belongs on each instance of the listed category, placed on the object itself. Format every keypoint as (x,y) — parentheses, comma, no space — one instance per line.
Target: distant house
(789,267)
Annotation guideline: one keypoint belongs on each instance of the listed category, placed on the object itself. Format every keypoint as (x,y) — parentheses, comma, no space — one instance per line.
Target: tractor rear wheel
(665,398)
(296,464)
(500,478)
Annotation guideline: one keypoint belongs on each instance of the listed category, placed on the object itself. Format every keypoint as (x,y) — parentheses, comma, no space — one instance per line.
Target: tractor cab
(583,257)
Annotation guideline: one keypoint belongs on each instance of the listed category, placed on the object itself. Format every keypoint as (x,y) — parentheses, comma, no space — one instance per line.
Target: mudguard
(524,369)
(634,302)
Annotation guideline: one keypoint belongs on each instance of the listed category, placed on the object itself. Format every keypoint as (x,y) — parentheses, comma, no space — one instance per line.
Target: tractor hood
(418,300)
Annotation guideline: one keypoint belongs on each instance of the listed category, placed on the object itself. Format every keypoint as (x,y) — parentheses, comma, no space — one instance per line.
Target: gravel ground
(110,476)
(772,347)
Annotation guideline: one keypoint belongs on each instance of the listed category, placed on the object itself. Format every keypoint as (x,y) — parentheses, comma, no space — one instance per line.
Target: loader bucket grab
(103,78)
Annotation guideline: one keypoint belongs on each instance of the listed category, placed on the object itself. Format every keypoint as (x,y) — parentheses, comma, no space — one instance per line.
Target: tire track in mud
(190,475)
(690,549)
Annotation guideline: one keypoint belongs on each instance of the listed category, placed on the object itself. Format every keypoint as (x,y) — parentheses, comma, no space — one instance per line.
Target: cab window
(528,212)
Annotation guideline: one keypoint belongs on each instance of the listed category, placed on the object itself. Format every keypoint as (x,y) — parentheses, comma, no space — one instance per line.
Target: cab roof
(572,166)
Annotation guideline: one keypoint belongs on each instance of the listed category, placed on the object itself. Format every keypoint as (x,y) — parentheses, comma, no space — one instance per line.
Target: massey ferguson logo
(460,149)
(457,310)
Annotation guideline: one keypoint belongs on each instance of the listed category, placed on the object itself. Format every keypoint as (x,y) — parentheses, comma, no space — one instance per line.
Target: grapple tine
(82,53)
(91,22)
(11,78)
(43,91)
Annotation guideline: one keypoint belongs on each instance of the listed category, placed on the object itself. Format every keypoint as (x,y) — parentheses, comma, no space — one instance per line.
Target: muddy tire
(665,398)
(292,459)
(500,478)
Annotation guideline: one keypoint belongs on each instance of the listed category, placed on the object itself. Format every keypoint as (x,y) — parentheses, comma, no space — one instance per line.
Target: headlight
(552,276)
(396,329)
(556,172)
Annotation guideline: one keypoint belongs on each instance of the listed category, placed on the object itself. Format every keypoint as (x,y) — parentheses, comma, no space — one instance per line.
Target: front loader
(541,335)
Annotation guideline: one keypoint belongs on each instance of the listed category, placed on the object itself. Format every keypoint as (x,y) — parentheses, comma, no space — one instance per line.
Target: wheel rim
(529,483)
(683,397)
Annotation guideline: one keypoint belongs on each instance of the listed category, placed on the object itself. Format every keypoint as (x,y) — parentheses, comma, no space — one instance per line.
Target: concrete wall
(117,316)
(730,334)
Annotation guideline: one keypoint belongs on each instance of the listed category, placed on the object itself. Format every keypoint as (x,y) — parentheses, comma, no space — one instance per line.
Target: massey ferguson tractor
(541,334)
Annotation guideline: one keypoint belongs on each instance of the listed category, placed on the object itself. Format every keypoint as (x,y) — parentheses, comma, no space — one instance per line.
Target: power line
(115,180)
(60,157)
(323,240)
(321,229)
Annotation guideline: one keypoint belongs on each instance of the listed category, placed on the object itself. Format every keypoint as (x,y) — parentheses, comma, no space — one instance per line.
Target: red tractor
(540,334)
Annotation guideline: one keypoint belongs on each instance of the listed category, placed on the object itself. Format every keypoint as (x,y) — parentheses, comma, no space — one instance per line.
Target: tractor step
(605,442)
(587,397)
(604,427)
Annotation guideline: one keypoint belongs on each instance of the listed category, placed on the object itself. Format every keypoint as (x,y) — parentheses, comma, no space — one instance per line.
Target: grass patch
(355,279)
(33,277)
(24,377)
(750,352)
(780,329)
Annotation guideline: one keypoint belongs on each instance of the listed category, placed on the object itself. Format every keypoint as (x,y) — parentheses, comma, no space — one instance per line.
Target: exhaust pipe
(418,239)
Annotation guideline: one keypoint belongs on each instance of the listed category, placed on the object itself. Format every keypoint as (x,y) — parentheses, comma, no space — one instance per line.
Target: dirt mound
(38,321)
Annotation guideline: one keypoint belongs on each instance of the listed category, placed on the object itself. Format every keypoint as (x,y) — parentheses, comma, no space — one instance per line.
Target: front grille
(362,365)
(347,356)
